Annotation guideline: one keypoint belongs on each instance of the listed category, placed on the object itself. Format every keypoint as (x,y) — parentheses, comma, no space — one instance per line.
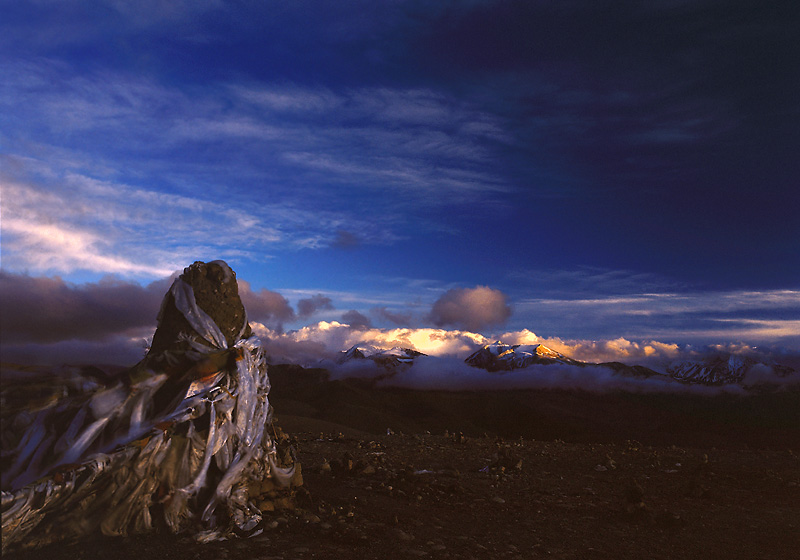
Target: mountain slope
(723,370)
(504,357)
(389,358)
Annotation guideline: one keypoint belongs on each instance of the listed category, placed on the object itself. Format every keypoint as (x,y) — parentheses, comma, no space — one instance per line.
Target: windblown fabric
(172,450)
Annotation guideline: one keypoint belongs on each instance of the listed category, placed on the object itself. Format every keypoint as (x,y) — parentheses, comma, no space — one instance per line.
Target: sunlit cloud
(329,338)
(78,223)
(59,247)
(597,351)
(325,340)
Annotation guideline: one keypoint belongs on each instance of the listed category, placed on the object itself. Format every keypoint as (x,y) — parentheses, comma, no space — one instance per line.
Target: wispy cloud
(245,144)
(59,247)
(73,222)
(590,280)
(674,303)
(755,316)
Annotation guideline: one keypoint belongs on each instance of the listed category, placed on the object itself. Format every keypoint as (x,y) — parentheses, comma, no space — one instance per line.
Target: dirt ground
(449,496)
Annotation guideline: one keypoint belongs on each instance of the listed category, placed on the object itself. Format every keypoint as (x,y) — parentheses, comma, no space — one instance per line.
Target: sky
(607,177)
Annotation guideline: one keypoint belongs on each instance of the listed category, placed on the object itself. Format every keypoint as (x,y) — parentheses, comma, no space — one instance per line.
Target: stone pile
(183,441)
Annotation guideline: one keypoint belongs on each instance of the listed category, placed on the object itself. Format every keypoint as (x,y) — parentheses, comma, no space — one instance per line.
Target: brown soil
(438,496)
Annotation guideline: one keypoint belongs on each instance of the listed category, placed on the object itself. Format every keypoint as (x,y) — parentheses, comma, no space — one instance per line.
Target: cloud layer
(36,309)
(161,201)
(452,374)
(49,310)
(52,311)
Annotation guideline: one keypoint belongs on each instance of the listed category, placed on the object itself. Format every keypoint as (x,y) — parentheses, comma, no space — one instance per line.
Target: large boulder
(216,295)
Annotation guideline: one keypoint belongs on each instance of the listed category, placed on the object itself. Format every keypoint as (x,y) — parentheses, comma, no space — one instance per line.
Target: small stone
(266,505)
(402,535)
(297,478)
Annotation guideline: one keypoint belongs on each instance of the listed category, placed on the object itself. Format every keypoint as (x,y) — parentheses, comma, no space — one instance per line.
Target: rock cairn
(183,441)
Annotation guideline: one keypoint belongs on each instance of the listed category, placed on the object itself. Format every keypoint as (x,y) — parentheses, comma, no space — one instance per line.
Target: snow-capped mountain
(387,357)
(504,357)
(721,370)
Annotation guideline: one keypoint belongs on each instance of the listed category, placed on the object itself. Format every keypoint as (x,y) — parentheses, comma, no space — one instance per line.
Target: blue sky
(603,169)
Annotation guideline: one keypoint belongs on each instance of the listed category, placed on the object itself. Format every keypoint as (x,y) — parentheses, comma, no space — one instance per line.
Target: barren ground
(536,474)
(437,496)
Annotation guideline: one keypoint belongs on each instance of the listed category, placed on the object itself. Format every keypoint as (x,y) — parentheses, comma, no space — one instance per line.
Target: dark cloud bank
(50,310)
(50,321)
(356,320)
(308,306)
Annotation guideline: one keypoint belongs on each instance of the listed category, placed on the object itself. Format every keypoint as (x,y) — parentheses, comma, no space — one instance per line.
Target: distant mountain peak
(498,356)
(720,370)
(388,357)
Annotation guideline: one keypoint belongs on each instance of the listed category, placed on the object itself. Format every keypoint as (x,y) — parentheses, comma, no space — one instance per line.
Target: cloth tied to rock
(179,443)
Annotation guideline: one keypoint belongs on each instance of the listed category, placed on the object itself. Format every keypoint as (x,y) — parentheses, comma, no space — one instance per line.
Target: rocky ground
(445,495)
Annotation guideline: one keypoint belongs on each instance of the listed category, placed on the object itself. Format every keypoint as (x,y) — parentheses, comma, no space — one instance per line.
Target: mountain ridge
(500,358)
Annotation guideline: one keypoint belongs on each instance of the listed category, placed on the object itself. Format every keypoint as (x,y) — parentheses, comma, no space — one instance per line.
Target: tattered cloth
(111,460)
